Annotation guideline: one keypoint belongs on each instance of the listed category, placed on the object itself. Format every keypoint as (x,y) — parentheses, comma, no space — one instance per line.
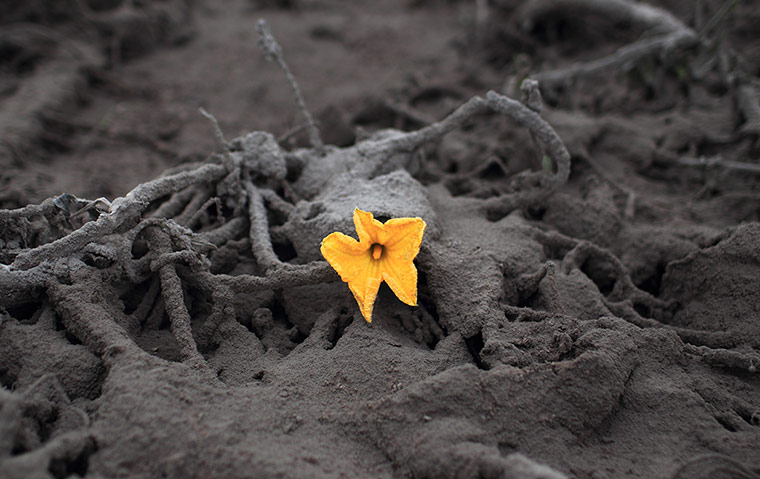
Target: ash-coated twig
(706,466)
(135,320)
(633,12)
(23,286)
(624,287)
(261,243)
(222,300)
(221,143)
(624,55)
(191,207)
(174,302)
(124,211)
(276,203)
(545,134)
(513,109)
(203,211)
(525,314)
(287,277)
(90,322)
(175,204)
(669,33)
(726,358)
(662,157)
(273,52)
(45,208)
(230,230)
(527,285)
(717,18)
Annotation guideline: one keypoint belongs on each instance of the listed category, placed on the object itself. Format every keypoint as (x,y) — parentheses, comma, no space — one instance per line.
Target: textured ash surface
(573,336)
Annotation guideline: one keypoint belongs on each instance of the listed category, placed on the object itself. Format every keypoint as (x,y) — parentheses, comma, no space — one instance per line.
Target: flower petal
(401,276)
(367,227)
(404,237)
(353,262)
(365,289)
(345,254)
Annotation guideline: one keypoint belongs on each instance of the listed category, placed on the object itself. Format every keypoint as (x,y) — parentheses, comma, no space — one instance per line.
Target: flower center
(377,250)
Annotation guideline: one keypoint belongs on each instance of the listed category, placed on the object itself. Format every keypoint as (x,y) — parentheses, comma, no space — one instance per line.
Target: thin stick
(123,211)
(273,52)
(261,243)
(174,303)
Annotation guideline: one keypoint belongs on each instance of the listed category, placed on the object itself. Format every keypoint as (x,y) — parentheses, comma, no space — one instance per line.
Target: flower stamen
(377,251)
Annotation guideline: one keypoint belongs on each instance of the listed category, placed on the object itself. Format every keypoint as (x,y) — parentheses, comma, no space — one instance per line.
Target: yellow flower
(385,251)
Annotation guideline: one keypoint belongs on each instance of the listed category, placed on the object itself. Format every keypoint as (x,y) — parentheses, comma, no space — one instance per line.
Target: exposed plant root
(715,162)
(643,14)
(90,322)
(203,211)
(725,358)
(124,212)
(134,321)
(261,243)
(191,208)
(229,230)
(222,308)
(624,287)
(276,203)
(624,55)
(312,273)
(671,33)
(173,296)
(708,465)
(518,314)
(59,450)
(273,52)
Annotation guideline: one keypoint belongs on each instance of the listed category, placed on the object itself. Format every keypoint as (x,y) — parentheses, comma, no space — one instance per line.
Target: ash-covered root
(124,212)
(222,308)
(707,466)
(174,302)
(273,52)
(513,109)
(624,289)
(261,243)
(133,322)
(227,232)
(726,358)
(90,322)
(192,207)
(527,285)
(45,208)
(312,273)
(21,287)
(203,211)
(671,33)
(54,456)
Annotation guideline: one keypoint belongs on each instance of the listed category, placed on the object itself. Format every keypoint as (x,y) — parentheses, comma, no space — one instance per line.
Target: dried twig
(669,33)
(273,52)
(261,243)
(715,465)
(124,211)
(726,358)
(173,296)
(667,158)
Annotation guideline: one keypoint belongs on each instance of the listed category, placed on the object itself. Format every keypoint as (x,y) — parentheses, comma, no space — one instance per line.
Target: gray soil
(588,307)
